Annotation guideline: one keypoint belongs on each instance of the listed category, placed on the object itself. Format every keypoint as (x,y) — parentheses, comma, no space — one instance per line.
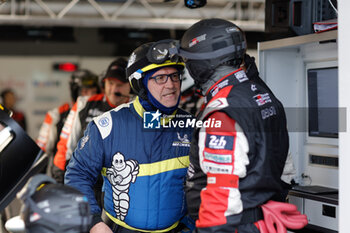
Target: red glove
(279,216)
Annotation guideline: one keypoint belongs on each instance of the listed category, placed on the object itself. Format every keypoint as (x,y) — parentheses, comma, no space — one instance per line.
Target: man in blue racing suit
(141,148)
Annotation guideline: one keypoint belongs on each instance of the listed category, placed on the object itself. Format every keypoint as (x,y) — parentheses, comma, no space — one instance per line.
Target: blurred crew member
(116,91)
(9,101)
(82,83)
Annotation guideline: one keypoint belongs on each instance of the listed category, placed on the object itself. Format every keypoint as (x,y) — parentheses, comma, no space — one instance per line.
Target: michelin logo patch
(183,141)
(219,142)
(103,122)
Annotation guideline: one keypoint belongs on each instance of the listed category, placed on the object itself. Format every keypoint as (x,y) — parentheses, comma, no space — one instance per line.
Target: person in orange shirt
(116,91)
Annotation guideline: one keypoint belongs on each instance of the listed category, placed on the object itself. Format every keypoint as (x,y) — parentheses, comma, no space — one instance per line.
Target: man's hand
(100,227)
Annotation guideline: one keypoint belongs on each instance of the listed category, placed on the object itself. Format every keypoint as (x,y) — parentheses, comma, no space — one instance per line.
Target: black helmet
(53,208)
(210,43)
(116,70)
(82,78)
(140,61)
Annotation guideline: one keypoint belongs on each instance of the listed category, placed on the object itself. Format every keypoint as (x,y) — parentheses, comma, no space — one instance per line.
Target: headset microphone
(120,95)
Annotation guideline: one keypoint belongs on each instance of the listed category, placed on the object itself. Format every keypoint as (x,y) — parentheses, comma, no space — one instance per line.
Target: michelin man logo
(183,139)
(120,175)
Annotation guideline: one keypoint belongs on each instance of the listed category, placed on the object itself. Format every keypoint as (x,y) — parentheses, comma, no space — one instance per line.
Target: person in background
(82,83)
(9,100)
(235,170)
(191,101)
(116,90)
(143,162)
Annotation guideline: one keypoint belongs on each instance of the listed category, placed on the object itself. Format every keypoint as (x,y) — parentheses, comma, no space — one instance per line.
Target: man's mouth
(169,94)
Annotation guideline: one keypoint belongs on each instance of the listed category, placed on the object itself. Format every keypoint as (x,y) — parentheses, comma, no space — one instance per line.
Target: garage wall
(40,88)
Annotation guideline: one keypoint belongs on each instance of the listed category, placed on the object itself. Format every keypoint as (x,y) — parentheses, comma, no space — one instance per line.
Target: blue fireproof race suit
(143,169)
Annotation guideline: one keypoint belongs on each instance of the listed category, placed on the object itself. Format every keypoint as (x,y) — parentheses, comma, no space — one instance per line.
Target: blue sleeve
(86,164)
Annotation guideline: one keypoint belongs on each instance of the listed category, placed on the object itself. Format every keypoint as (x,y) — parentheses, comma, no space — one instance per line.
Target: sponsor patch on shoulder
(103,122)
(241,76)
(219,142)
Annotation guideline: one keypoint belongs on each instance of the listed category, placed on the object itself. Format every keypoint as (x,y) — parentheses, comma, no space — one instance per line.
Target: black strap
(252,215)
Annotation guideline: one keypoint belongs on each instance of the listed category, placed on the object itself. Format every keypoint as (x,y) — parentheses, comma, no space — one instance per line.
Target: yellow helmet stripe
(166,63)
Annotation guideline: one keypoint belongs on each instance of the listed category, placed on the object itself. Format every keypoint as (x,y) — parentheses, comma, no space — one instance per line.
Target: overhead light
(65,66)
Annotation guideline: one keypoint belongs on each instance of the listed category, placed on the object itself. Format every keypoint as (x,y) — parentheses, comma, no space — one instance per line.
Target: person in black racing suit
(237,167)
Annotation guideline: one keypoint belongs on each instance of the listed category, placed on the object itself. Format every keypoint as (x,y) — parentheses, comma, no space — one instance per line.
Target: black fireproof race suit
(237,167)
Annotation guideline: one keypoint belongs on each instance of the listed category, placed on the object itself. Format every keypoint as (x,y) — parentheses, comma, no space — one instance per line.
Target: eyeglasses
(163,78)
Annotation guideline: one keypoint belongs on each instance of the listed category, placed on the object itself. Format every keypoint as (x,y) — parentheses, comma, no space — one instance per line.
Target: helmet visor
(158,53)
(185,55)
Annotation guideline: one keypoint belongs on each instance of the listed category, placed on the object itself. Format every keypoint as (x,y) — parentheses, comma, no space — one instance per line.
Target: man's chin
(115,100)
(170,105)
